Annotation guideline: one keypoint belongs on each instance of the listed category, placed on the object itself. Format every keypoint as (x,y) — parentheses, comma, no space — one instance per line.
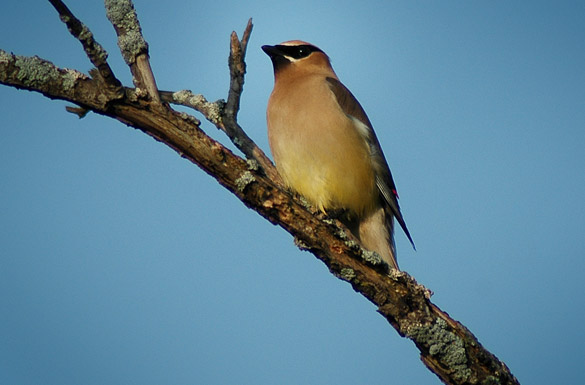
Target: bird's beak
(271,50)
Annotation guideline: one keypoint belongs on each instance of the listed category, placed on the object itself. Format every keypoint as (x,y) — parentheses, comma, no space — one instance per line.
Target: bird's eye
(297,52)
(303,51)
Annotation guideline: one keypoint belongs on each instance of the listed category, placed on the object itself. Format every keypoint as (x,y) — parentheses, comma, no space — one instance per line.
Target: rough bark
(447,347)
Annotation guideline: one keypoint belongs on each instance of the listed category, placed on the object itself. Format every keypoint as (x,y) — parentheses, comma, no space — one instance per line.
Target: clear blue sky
(120,262)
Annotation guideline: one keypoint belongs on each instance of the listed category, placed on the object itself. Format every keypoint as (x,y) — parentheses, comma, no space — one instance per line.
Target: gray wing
(384,181)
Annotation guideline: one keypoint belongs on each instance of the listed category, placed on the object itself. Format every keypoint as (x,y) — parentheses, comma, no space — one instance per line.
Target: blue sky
(120,262)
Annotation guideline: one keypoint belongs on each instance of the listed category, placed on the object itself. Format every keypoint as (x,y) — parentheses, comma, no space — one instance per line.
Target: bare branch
(214,113)
(211,110)
(229,123)
(79,111)
(246,37)
(133,46)
(94,51)
(36,74)
(237,67)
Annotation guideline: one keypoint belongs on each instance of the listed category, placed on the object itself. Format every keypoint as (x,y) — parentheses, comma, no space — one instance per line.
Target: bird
(325,149)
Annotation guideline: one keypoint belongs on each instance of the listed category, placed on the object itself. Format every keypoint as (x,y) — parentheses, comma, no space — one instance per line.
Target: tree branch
(94,51)
(229,121)
(447,348)
(134,48)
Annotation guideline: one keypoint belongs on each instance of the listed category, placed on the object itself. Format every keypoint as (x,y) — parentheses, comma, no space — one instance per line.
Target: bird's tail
(376,232)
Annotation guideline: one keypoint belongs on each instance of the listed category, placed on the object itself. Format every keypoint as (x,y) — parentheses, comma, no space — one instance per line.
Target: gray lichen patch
(187,97)
(121,13)
(244,180)
(371,257)
(131,45)
(130,40)
(444,345)
(189,118)
(329,221)
(5,57)
(98,52)
(302,245)
(305,202)
(253,164)
(350,242)
(64,18)
(346,274)
(213,111)
(85,33)
(35,72)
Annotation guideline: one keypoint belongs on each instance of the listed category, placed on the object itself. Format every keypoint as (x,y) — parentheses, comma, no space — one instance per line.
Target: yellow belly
(338,182)
(322,156)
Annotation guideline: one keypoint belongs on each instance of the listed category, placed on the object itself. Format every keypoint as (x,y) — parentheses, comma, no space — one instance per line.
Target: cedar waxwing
(325,148)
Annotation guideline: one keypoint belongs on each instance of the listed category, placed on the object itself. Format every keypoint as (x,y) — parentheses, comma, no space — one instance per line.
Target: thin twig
(237,67)
(229,123)
(94,51)
(246,37)
(211,110)
(133,46)
(79,111)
